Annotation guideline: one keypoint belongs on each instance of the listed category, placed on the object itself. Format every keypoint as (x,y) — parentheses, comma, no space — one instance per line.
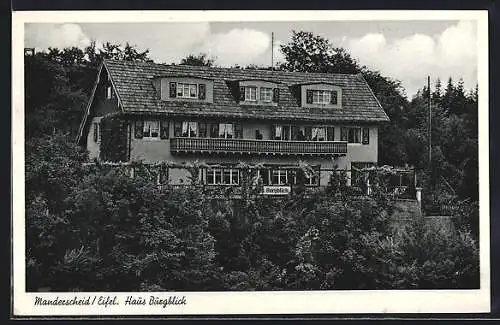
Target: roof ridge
(265,71)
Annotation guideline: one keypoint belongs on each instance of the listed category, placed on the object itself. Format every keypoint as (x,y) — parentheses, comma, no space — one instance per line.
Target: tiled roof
(133,82)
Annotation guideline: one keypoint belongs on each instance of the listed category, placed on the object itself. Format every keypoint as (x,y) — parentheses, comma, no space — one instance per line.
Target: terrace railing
(248,146)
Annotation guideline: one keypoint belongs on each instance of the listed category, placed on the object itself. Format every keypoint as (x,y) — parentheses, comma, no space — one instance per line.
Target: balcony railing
(247,146)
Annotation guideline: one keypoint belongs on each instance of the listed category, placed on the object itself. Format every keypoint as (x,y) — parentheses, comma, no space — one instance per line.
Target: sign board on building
(276,190)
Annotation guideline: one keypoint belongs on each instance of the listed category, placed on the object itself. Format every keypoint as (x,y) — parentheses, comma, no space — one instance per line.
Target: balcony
(262,147)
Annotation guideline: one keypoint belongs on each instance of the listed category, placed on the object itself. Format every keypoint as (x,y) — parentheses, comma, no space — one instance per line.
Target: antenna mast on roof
(430,118)
(272,50)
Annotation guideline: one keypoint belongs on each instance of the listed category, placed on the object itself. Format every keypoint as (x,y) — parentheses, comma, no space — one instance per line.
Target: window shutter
(96,132)
(309,96)
(333,97)
(203,129)
(177,129)
(330,134)
(276,95)
(242,93)
(343,134)
(139,128)
(366,135)
(164,129)
(201,91)
(264,174)
(214,130)
(238,131)
(173,89)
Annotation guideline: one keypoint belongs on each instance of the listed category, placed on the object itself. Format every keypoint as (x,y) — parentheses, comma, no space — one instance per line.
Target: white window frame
(226,130)
(248,94)
(148,125)
(313,180)
(266,94)
(184,90)
(324,129)
(212,173)
(109,92)
(279,173)
(319,96)
(188,125)
(282,132)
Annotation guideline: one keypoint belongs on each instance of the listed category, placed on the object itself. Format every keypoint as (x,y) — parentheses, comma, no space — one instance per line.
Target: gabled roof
(133,83)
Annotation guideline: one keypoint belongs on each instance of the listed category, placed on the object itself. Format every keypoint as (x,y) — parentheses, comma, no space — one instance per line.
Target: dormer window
(185,90)
(266,94)
(259,92)
(319,95)
(322,97)
(250,93)
(190,90)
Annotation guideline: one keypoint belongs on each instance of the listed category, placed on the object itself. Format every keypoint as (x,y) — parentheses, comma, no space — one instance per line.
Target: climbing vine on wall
(113,146)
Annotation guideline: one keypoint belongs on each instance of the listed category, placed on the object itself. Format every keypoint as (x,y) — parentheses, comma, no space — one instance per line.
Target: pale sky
(405,50)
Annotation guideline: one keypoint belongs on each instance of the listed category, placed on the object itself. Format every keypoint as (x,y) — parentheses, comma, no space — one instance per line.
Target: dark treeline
(111,232)
(102,230)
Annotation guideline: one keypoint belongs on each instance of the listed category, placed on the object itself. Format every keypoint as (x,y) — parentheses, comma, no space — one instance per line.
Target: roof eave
(89,104)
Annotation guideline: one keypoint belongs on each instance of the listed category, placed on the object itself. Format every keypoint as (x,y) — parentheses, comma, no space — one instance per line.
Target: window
(251,93)
(312,179)
(279,177)
(189,129)
(321,97)
(109,92)
(219,176)
(282,132)
(226,130)
(151,129)
(266,94)
(185,90)
(351,135)
(258,135)
(318,134)
(97,132)
(299,133)
(354,135)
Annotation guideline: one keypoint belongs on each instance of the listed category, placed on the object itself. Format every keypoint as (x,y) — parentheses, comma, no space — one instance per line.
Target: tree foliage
(58,85)
(405,139)
(202,59)
(307,52)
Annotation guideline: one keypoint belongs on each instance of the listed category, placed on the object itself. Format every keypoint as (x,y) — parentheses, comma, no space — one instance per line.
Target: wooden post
(419,198)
